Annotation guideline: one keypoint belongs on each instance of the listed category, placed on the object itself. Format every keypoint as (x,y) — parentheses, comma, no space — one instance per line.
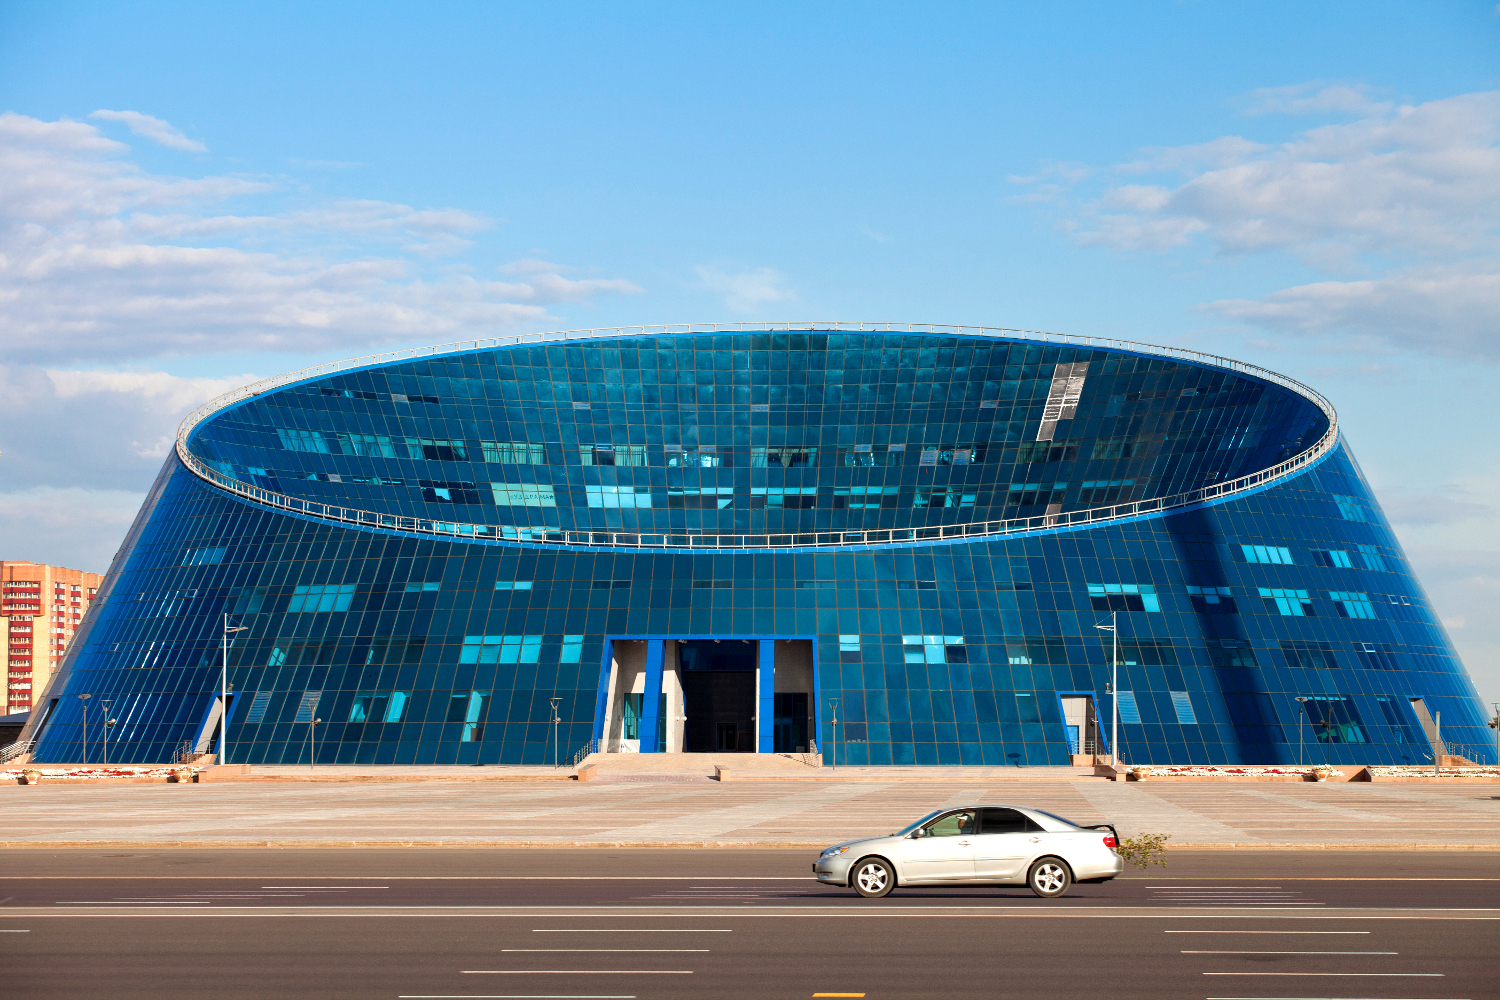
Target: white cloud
(1453,311)
(101,261)
(1314,98)
(745,291)
(1405,199)
(545,284)
(77,528)
(151,128)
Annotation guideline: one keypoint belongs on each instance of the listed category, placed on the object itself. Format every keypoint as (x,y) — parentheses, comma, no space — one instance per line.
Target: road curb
(653,845)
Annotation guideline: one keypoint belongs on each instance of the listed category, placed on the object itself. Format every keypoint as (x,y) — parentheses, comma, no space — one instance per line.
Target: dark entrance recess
(718,689)
(790,732)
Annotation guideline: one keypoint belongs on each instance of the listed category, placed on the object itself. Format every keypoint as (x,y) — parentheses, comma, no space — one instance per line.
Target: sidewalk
(665,811)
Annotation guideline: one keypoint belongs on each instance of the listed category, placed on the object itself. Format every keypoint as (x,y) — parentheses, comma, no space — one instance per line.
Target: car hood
(860,840)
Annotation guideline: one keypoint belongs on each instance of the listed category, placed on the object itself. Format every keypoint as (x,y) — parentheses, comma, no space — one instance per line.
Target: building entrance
(718,693)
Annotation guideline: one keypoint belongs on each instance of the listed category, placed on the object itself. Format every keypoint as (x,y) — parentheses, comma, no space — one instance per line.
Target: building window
(437,449)
(713,584)
(1376,656)
(1267,554)
(1335,719)
(934,649)
(299,440)
(783,498)
(379,706)
(1123,597)
(205,557)
(469,709)
(1336,558)
(611,585)
(1212,600)
(1371,557)
(572,649)
(783,458)
(513,453)
(437,491)
(609,454)
(1351,604)
(1288,602)
(1104,491)
(1032,494)
(501,649)
(1184,708)
(1130,712)
(866,497)
(702,456)
(1047,451)
(523,495)
(611,497)
(366,445)
(1309,655)
(700,498)
(1231,653)
(513,585)
(849,649)
(1350,509)
(321,597)
(415,587)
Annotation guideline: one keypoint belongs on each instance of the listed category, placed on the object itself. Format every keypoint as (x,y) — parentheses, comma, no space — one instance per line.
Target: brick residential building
(40,608)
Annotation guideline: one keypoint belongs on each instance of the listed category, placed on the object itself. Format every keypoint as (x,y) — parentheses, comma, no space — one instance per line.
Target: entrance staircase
(696,766)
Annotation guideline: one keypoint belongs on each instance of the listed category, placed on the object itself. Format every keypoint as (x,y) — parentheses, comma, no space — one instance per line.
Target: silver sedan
(977,845)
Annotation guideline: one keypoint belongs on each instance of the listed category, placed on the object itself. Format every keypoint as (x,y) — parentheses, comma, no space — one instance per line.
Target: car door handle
(963,843)
(1036,840)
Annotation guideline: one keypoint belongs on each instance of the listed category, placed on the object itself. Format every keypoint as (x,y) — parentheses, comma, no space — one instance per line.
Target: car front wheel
(872,877)
(1049,878)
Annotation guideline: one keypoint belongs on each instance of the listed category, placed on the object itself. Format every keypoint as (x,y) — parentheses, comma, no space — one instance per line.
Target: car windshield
(1041,812)
(905,830)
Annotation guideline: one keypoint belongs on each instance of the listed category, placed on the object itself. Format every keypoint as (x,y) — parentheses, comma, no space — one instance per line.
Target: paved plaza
(765,813)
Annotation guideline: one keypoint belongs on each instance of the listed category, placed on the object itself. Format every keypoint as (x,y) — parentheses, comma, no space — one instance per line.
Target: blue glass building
(894,543)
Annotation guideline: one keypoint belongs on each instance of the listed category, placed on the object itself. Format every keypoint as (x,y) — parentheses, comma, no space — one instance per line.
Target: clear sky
(193,194)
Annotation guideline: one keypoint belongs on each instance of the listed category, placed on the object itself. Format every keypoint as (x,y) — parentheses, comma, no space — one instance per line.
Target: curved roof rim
(1216,493)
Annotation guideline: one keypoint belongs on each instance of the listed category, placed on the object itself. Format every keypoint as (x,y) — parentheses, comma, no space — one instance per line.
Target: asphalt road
(645,924)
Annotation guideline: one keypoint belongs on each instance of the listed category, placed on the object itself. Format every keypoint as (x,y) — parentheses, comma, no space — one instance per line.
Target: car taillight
(1110,842)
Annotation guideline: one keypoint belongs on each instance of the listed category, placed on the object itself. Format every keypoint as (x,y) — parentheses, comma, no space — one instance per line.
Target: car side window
(1006,821)
(958,824)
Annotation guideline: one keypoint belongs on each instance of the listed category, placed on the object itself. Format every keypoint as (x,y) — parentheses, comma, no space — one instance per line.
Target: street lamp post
(833,747)
(85,699)
(312,743)
(107,723)
(556,720)
(1114,686)
(1301,711)
(224,691)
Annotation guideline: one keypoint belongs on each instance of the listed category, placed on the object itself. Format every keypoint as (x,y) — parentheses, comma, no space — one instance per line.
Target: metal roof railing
(548,536)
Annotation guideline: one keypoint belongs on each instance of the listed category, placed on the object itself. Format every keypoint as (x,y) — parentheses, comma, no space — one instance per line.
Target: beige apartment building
(40,609)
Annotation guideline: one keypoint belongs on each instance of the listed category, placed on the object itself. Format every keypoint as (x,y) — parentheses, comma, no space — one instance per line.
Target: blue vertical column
(651,701)
(765,705)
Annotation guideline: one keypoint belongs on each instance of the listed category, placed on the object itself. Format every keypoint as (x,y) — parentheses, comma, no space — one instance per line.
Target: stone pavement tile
(761,812)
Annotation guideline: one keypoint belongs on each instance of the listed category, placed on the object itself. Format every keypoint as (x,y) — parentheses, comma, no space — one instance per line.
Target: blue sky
(192,194)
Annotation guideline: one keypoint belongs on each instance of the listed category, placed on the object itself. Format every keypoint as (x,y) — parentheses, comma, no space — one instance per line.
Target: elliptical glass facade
(566,492)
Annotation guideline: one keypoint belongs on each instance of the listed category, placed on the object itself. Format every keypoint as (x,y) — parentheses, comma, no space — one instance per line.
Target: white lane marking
(1291,953)
(578,972)
(133,902)
(611,950)
(4,931)
(515,996)
(1266,932)
(1360,975)
(325,887)
(631,930)
(1184,888)
(1337,998)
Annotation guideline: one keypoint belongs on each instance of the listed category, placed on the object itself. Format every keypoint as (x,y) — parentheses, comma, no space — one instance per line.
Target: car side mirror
(918,834)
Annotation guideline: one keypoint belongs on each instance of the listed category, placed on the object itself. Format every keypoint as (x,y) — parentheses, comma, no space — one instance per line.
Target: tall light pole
(555,720)
(224,691)
(1114,687)
(1301,711)
(833,747)
(85,699)
(107,723)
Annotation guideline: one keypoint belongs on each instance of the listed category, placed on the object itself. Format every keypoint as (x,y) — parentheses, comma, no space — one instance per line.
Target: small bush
(1145,850)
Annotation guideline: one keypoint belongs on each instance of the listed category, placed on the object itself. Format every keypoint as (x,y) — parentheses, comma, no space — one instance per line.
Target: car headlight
(833,852)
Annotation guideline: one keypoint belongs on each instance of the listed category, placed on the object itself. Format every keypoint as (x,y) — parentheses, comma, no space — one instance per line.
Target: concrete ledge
(588,772)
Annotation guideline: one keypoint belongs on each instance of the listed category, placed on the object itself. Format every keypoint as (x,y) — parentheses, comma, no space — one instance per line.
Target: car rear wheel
(872,877)
(1049,878)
